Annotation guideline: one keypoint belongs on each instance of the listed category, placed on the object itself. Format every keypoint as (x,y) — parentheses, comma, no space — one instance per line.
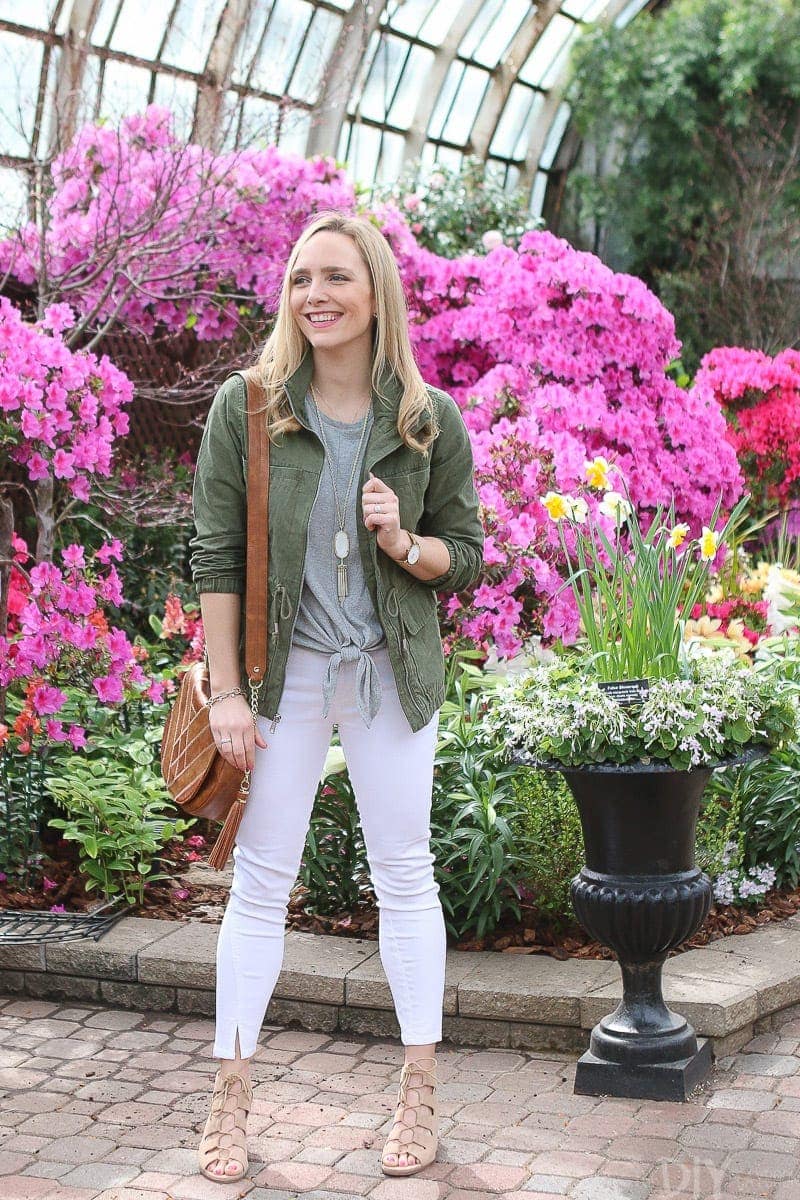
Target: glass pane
(384,74)
(294,131)
(284,40)
(554,137)
(445,99)
(491,32)
(365,144)
(412,83)
(191,34)
(105,20)
(317,48)
(36,14)
(246,47)
(540,59)
(48,129)
(438,24)
(584,10)
(13,199)
(408,16)
(559,62)
(365,66)
(20,74)
(125,89)
(629,12)
(459,123)
(390,164)
(180,96)
(259,121)
(140,28)
(538,194)
(513,120)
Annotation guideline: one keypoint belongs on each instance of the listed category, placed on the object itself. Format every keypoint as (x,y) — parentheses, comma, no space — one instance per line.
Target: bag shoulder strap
(257,599)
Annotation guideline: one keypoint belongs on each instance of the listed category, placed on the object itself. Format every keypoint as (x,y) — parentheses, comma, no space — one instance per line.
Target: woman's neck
(342,385)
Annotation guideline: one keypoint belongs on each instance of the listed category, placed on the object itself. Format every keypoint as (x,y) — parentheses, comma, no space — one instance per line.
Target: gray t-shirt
(344,629)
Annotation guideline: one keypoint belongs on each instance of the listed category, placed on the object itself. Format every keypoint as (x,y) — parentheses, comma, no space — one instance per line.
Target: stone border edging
(523,1001)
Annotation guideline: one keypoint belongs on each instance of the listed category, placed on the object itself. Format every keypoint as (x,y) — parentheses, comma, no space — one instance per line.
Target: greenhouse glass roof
(374,82)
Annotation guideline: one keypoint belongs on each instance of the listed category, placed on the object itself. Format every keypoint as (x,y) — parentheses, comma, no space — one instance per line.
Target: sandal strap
(419,1137)
(225,1134)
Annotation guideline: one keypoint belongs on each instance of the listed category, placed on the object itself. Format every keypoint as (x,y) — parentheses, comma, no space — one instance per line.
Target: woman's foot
(223,1146)
(414,1137)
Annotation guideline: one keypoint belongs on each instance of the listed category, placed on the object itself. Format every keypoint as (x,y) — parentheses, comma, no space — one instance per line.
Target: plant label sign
(626,692)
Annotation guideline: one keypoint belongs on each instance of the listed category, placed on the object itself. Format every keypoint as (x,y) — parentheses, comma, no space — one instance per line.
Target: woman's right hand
(232,719)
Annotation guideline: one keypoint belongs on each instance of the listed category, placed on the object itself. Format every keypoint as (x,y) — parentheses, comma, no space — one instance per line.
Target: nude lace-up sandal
(225,1135)
(416,1122)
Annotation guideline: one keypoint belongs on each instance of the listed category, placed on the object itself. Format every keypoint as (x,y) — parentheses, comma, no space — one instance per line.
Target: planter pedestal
(641,894)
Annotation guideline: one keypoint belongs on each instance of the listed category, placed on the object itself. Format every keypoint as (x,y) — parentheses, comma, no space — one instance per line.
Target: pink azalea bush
(60,645)
(153,232)
(555,359)
(60,414)
(761,396)
(60,411)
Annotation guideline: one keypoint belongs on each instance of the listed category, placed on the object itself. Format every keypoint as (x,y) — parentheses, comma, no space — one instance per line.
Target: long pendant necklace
(341,541)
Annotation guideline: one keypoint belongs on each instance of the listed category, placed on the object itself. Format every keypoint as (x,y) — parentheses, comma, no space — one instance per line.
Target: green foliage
(118,810)
(757,805)
(550,842)
(147,505)
(689,172)
(334,867)
(472,817)
(21,784)
(451,210)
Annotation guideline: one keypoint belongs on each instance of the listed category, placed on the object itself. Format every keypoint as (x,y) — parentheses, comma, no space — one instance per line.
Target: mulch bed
(173,899)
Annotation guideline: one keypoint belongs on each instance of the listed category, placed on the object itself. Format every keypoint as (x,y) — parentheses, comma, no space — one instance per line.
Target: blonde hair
(287,344)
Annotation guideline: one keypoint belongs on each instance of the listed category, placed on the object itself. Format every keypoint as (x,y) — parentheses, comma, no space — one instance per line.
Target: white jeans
(391,770)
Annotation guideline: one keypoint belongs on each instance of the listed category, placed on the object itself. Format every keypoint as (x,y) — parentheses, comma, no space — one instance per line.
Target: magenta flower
(48,885)
(57,908)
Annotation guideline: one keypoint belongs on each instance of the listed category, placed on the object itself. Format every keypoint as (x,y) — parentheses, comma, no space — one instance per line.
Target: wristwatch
(413,551)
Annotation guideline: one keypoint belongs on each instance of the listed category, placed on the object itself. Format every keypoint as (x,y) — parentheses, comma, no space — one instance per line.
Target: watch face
(413,554)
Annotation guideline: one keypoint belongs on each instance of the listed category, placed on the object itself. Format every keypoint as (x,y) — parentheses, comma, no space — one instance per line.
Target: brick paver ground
(108,1103)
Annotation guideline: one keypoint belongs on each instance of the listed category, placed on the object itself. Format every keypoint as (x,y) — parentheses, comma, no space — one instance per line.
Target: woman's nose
(317,291)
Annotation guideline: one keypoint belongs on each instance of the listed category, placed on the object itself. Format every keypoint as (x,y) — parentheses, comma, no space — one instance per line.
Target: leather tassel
(227,835)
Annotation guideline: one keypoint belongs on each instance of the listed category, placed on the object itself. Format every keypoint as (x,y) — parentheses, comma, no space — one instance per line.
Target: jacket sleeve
(219,495)
(452,510)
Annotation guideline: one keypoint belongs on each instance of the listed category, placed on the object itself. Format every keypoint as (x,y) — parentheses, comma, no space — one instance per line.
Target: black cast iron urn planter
(642,894)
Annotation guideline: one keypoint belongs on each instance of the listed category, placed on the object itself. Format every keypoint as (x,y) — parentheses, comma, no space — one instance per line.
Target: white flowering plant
(557,714)
(632,584)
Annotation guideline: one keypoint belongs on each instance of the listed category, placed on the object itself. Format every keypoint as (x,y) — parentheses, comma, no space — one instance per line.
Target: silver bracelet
(237,691)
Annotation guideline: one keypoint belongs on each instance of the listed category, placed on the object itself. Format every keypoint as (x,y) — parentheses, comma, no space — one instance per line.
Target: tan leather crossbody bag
(200,780)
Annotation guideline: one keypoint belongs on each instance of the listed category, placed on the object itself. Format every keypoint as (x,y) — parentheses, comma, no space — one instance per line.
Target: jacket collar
(386,405)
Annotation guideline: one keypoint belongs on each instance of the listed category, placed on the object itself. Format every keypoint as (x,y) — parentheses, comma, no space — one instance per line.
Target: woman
(372,511)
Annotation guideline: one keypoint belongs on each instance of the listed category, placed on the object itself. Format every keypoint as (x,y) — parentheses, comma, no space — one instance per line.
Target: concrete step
(728,989)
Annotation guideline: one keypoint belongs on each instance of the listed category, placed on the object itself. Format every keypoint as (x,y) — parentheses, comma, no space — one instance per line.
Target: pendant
(341,544)
(341,581)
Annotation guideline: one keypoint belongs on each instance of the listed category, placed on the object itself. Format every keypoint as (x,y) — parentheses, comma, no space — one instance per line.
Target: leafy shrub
(473,813)
(334,867)
(117,810)
(550,841)
(455,211)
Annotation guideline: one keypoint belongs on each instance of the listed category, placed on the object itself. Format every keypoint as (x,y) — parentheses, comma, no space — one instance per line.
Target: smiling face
(331,294)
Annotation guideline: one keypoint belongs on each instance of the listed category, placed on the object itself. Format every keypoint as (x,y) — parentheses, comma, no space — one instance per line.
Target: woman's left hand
(381,510)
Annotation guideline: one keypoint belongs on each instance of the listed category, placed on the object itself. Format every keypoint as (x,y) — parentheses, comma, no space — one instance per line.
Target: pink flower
(48,885)
(57,908)
(108,688)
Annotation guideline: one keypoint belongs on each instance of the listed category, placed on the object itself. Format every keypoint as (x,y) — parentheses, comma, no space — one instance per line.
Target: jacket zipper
(412,685)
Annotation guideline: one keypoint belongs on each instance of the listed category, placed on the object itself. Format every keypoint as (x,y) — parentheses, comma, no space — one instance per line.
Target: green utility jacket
(437,498)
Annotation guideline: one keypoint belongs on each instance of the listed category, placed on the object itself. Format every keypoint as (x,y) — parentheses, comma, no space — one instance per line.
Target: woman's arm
(221,612)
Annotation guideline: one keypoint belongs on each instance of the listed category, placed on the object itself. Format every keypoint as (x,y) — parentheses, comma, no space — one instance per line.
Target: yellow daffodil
(709,544)
(597,472)
(678,535)
(616,506)
(558,506)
